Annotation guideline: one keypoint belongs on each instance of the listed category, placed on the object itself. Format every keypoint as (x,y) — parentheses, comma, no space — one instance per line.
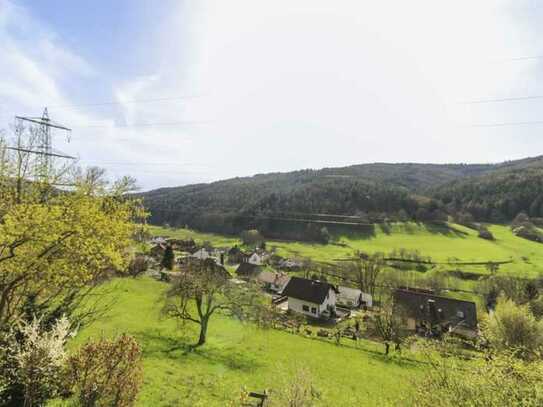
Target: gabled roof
(443,310)
(350,293)
(279,279)
(248,270)
(308,290)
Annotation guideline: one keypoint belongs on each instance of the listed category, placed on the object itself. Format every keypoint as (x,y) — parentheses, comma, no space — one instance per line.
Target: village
(332,310)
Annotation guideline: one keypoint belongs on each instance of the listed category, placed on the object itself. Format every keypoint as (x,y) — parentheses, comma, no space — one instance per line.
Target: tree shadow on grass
(155,344)
(444,229)
(229,357)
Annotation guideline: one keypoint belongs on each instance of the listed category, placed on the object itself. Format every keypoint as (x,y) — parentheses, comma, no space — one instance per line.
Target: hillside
(284,204)
(239,355)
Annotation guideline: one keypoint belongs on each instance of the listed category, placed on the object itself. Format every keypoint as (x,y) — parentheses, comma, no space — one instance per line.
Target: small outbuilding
(353,298)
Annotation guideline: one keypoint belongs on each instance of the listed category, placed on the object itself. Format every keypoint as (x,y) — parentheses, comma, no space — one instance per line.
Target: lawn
(239,355)
(440,243)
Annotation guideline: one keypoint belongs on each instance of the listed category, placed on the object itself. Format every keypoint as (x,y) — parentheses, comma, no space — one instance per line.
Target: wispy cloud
(282,85)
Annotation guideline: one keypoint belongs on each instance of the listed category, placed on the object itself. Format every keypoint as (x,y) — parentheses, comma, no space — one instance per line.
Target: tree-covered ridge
(496,197)
(356,194)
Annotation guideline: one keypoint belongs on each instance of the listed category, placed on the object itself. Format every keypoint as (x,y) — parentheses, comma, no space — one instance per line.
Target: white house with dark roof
(311,297)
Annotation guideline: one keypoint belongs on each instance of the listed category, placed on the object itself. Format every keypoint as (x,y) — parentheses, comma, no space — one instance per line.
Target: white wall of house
(256,259)
(201,254)
(307,308)
(367,299)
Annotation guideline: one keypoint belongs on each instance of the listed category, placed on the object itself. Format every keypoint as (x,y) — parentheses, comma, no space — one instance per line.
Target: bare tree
(364,272)
(387,325)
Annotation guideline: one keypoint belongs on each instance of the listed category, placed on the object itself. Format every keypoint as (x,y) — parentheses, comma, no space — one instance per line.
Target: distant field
(240,355)
(441,244)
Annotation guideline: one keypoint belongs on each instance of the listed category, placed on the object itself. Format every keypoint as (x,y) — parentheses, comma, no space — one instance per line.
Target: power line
(537,122)
(185,123)
(509,99)
(133,101)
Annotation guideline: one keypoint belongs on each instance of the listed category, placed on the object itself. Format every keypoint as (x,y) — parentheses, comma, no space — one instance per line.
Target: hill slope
(356,194)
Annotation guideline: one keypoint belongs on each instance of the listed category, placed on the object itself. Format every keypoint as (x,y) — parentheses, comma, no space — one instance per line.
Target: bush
(32,363)
(512,327)
(138,265)
(484,233)
(529,233)
(500,380)
(107,372)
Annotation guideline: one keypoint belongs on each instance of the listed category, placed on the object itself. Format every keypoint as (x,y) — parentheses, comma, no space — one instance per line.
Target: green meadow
(454,243)
(239,355)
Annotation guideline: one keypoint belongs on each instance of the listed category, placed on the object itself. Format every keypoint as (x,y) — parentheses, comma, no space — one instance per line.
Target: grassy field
(239,355)
(441,244)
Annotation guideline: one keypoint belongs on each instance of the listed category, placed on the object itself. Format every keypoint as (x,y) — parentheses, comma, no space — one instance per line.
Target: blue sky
(208,89)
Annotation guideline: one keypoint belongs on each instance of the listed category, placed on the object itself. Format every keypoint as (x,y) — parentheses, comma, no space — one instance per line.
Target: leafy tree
(168,261)
(55,246)
(513,327)
(251,237)
(202,290)
(108,372)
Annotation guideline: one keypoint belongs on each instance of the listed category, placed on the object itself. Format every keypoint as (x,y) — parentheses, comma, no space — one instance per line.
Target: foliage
(297,391)
(497,380)
(168,261)
(107,372)
(138,265)
(498,195)
(513,327)
(484,233)
(32,363)
(251,237)
(202,290)
(55,244)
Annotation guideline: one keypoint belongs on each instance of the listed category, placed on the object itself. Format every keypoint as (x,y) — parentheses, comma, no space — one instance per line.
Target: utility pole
(44,148)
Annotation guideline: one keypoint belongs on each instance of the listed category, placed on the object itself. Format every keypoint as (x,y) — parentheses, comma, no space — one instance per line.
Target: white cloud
(284,85)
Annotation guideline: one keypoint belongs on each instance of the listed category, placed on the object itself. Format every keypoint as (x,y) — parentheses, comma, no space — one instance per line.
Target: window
(313,310)
(305,308)
(460,314)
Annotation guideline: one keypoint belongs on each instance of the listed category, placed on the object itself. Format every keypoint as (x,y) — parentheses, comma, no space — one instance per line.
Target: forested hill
(356,194)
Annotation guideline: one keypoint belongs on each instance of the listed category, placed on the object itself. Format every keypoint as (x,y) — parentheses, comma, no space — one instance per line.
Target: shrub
(513,327)
(500,380)
(32,363)
(107,372)
(138,265)
(484,233)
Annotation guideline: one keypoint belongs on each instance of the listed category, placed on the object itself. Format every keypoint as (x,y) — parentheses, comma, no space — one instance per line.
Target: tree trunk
(203,333)
(387,348)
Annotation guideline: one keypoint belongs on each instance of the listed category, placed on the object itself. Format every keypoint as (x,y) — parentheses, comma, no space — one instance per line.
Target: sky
(175,92)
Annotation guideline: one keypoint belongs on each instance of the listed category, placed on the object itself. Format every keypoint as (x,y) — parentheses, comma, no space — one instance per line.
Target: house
(201,254)
(157,251)
(425,312)
(289,265)
(236,256)
(248,270)
(273,281)
(311,297)
(257,258)
(353,298)
(159,240)
(188,245)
